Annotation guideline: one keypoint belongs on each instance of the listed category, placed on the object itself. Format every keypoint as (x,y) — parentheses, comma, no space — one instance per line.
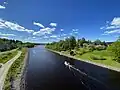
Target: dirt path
(5,68)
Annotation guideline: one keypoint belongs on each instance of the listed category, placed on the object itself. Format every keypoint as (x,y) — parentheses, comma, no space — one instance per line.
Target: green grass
(104,54)
(7,56)
(15,70)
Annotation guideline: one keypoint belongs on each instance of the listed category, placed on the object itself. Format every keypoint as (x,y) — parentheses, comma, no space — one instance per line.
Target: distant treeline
(72,43)
(6,44)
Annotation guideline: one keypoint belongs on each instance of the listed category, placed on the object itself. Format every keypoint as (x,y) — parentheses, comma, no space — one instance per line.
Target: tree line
(71,44)
(6,44)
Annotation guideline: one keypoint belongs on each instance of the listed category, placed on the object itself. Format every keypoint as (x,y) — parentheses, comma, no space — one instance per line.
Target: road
(5,68)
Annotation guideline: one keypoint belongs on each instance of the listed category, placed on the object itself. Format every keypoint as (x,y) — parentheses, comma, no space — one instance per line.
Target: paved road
(5,68)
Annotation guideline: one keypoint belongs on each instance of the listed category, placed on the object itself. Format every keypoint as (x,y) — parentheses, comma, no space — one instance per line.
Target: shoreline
(24,71)
(87,61)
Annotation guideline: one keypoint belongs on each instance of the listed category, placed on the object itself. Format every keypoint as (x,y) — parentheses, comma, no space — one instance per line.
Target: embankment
(87,61)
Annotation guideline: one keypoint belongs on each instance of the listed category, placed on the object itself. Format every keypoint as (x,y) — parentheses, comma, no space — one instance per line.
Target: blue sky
(52,20)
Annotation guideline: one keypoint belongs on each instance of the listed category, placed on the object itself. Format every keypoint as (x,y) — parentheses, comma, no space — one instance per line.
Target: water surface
(46,71)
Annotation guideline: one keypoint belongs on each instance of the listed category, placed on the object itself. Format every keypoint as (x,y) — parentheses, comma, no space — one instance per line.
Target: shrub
(85,45)
(100,47)
(91,47)
(115,50)
(97,57)
(72,53)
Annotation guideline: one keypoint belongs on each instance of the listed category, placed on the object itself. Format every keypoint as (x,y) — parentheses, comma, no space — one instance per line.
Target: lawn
(104,54)
(7,56)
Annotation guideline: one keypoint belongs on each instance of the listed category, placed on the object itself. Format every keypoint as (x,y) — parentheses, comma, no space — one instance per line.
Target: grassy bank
(108,62)
(15,71)
(7,56)
(102,57)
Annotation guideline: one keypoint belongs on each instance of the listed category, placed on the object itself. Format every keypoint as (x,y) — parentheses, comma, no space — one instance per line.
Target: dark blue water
(46,71)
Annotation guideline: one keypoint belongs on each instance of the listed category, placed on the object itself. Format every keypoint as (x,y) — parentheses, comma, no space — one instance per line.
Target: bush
(97,57)
(85,45)
(91,47)
(72,53)
(115,50)
(100,47)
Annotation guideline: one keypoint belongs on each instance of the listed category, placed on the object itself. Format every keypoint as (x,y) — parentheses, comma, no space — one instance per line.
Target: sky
(42,21)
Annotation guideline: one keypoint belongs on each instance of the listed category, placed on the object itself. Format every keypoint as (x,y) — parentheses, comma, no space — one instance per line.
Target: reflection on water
(46,71)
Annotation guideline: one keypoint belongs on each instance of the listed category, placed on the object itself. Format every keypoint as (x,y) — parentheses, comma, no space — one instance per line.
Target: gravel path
(5,68)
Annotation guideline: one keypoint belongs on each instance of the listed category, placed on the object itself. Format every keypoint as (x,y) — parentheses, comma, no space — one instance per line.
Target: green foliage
(72,53)
(91,47)
(7,56)
(100,47)
(97,42)
(72,42)
(115,50)
(14,70)
(97,57)
(6,44)
(63,45)
(81,42)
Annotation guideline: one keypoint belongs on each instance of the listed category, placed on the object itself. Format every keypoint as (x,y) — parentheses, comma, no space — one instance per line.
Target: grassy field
(15,70)
(104,54)
(103,57)
(7,56)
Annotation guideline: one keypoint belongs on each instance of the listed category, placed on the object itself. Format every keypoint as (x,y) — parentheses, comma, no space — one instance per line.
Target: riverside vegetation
(107,53)
(6,44)
(8,49)
(14,72)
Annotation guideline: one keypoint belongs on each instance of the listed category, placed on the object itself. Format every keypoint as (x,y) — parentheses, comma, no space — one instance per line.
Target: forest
(6,44)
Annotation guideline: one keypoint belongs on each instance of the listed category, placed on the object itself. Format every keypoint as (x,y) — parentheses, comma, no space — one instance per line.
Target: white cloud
(64,34)
(44,31)
(5,3)
(53,36)
(33,37)
(58,38)
(112,31)
(4,37)
(2,34)
(45,37)
(13,26)
(53,24)
(74,30)
(2,7)
(116,21)
(102,27)
(38,24)
(71,33)
(61,29)
(112,27)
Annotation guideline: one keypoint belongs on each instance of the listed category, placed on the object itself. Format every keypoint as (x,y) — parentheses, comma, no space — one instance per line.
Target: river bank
(19,83)
(15,73)
(87,61)
(24,71)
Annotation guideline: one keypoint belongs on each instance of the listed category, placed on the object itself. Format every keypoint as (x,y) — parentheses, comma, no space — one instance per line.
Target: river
(47,71)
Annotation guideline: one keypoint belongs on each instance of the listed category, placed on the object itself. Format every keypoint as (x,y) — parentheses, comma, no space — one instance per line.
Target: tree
(81,42)
(118,39)
(115,50)
(72,42)
(104,43)
(97,42)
